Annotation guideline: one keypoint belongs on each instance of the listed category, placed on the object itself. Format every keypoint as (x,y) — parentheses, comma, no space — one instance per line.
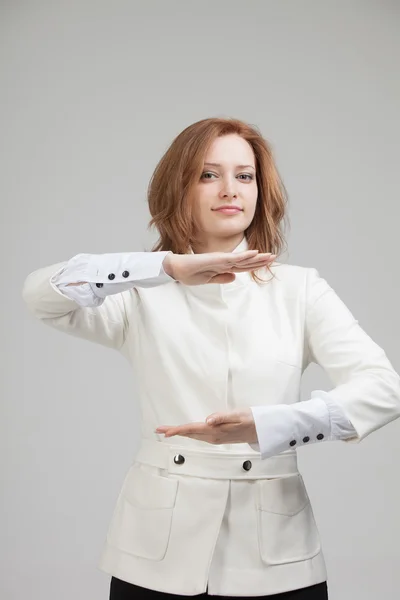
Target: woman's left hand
(234,427)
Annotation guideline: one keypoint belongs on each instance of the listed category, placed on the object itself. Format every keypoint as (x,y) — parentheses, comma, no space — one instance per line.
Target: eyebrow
(210,164)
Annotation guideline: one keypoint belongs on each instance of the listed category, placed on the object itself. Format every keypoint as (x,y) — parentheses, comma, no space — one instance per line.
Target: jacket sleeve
(109,274)
(366,395)
(283,427)
(98,311)
(367,388)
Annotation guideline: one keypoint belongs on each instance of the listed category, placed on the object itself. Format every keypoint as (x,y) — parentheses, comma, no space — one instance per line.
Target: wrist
(168,264)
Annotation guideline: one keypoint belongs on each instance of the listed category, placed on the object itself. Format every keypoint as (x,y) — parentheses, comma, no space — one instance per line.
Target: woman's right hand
(213,267)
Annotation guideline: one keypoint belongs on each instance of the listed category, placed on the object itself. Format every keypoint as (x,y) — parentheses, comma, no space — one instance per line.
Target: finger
(198,436)
(267,257)
(169,430)
(221,418)
(221,258)
(247,269)
(245,255)
(210,438)
(249,266)
(223,278)
(205,438)
(226,263)
(238,256)
(188,428)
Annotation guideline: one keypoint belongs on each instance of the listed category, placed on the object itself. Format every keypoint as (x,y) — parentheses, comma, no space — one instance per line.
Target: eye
(246,177)
(207,175)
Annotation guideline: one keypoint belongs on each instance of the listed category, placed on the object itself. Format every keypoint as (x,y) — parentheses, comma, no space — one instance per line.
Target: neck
(217,244)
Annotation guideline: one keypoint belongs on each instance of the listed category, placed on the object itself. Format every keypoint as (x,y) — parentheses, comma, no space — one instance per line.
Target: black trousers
(121,590)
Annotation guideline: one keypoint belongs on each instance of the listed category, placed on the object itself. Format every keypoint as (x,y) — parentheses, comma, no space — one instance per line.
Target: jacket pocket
(142,519)
(287,531)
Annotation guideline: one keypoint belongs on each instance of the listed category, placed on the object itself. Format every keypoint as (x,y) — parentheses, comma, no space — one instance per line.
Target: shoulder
(289,273)
(296,280)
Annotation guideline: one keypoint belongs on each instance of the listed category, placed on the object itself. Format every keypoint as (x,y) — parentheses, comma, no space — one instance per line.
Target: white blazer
(230,517)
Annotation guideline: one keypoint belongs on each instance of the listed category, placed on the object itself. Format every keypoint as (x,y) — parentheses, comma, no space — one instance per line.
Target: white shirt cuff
(108,274)
(286,427)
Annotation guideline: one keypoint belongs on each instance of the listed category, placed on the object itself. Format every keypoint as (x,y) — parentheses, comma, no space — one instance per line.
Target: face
(225,197)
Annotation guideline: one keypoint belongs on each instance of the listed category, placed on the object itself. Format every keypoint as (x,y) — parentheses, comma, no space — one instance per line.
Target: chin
(229,229)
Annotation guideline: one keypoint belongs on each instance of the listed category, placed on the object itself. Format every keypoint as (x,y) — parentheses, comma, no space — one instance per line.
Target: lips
(229,209)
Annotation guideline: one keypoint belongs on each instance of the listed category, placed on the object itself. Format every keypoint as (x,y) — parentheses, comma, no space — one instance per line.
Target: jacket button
(306,439)
(125,274)
(179,459)
(111,276)
(99,284)
(293,443)
(320,436)
(247,465)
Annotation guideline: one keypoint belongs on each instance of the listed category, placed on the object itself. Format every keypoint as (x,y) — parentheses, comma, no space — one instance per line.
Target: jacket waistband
(181,460)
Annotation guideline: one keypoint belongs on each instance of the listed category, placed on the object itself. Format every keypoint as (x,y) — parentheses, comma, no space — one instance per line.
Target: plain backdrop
(92,93)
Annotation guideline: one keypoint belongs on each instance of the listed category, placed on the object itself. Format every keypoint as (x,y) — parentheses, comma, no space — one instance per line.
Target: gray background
(92,93)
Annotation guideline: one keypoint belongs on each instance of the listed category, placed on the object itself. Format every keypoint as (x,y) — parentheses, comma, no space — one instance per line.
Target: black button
(99,284)
(179,459)
(111,276)
(320,436)
(247,465)
(293,443)
(306,439)
(125,274)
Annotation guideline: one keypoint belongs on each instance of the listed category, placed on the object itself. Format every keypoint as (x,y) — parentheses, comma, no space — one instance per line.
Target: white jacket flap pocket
(142,519)
(147,490)
(287,531)
(283,496)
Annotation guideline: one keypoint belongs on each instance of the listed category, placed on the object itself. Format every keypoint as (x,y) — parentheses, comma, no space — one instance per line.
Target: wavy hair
(179,170)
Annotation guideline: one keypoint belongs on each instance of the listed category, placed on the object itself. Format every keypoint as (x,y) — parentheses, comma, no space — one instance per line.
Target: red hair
(179,170)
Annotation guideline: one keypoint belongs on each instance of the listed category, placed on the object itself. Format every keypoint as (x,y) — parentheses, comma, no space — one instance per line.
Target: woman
(215,327)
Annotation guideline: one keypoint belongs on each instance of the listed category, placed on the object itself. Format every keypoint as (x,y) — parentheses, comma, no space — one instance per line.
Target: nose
(228,189)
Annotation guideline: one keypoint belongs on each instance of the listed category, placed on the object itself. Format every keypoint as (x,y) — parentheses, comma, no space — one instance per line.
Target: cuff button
(125,274)
(320,436)
(99,285)
(293,443)
(111,276)
(306,439)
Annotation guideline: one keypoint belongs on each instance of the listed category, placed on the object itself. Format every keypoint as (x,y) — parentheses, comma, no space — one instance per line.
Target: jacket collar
(241,247)
(215,290)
